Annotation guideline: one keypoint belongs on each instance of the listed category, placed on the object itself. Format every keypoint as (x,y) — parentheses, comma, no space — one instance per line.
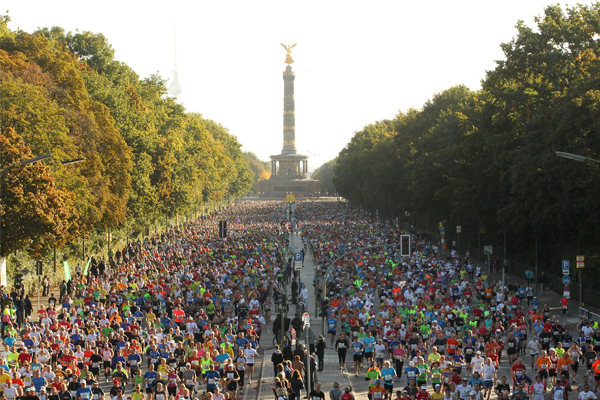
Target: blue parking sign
(298,256)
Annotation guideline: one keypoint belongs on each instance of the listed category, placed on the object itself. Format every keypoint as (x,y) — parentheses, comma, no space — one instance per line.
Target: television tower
(175,86)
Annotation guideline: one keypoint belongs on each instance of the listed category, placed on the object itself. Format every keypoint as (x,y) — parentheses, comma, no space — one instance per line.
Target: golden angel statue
(288,59)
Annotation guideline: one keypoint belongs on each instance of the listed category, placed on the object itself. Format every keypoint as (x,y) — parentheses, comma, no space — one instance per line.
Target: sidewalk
(330,373)
(550,298)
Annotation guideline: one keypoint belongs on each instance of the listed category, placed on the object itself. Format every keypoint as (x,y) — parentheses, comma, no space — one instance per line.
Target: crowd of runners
(434,324)
(180,316)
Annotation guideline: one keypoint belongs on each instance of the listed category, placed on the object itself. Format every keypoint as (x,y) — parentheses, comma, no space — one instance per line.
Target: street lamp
(74,161)
(575,157)
(29,161)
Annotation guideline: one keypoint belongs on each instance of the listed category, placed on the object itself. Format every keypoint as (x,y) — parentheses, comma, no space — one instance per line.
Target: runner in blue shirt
(388,374)
(357,351)
(149,378)
(411,372)
(331,328)
(369,342)
(212,378)
(83,393)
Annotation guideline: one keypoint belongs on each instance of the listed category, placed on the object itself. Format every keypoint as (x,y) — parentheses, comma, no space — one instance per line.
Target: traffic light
(222,229)
(39,268)
(18,280)
(405,245)
(324,307)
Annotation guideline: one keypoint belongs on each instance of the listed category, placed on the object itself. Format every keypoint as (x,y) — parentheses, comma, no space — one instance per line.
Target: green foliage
(146,157)
(324,174)
(261,170)
(486,160)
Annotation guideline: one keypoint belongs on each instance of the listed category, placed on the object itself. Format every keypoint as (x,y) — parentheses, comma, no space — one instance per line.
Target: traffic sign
(458,228)
(580,262)
(293,334)
(24,271)
(298,261)
(442,230)
(488,250)
(306,320)
(565,267)
(566,280)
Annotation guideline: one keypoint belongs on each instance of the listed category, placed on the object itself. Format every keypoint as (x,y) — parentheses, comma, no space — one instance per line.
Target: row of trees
(324,174)
(147,159)
(260,169)
(485,160)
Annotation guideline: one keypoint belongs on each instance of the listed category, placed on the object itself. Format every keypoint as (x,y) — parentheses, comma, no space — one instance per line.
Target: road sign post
(306,320)
(580,266)
(489,250)
(297,261)
(566,267)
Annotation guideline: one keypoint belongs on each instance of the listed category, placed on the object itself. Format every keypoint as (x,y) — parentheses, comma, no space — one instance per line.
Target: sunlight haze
(355,62)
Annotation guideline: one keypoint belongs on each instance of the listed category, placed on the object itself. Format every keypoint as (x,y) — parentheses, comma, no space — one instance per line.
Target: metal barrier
(591,316)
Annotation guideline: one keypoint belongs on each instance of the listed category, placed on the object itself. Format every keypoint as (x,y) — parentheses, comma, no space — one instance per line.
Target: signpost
(565,267)
(39,266)
(306,321)
(297,261)
(580,266)
(489,250)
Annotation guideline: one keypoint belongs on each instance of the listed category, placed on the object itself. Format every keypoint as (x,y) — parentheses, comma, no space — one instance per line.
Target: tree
(324,174)
(261,170)
(34,213)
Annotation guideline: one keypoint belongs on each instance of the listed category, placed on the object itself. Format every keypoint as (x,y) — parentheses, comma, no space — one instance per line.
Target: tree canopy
(64,93)
(324,174)
(485,160)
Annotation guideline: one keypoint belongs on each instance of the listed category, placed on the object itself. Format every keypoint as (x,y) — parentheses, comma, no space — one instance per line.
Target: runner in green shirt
(373,374)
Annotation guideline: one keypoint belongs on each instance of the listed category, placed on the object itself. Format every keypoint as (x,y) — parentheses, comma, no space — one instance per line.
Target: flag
(67,271)
(85,270)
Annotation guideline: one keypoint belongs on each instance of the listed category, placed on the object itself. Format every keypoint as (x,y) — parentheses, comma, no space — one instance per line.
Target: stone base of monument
(280,187)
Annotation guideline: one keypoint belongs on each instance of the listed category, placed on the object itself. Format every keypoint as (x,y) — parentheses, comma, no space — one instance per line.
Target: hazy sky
(356,61)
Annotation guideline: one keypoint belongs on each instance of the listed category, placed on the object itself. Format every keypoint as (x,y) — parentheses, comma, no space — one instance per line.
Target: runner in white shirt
(538,389)
(534,347)
(477,363)
(586,394)
(488,375)
(464,389)
(249,354)
(11,392)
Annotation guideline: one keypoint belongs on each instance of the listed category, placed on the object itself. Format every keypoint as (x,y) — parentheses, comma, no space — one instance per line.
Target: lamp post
(74,161)
(24,162)
(576,157)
